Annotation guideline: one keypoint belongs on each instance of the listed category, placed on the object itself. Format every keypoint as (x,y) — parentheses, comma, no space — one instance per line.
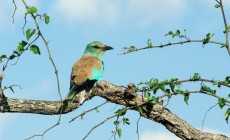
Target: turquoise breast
(97,74)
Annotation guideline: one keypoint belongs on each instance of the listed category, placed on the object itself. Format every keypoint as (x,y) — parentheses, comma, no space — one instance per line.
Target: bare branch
(15,8)
(85,112)
(173,44)
(226,25)
(205,80)
(98,125)
(43,134)
(206,115)
(52,61)
(138,136)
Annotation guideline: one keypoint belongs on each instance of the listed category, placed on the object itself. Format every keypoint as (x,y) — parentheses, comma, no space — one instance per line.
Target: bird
(88,69)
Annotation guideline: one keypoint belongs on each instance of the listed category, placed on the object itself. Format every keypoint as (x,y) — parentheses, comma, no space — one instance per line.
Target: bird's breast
(97,73)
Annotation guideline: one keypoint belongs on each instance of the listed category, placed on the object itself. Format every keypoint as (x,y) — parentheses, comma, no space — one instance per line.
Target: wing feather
(82,69)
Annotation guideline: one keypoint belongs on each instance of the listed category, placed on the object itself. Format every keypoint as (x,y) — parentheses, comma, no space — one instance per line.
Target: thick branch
(118,95)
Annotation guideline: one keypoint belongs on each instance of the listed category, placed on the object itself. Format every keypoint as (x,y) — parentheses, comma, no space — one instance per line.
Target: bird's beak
(105,48)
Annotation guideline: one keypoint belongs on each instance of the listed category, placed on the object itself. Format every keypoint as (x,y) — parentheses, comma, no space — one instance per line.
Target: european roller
(88,69)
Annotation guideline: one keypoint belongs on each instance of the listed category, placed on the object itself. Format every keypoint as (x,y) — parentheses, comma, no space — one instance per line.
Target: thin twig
(226,25)
(138,136)
(194,92)
(167,102)
(15,8)
(217,1)
(85,112)
(206,115)
(205,80)
(98,125)
(52,61)
(5,88)
(47,47)
(42,135)
(175,43)
(24,25)
(114,108)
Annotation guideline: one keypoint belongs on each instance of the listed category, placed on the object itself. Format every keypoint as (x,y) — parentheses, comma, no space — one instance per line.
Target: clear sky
(75,23)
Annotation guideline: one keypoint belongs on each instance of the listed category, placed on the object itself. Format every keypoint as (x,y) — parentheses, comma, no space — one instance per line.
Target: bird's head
(96,49)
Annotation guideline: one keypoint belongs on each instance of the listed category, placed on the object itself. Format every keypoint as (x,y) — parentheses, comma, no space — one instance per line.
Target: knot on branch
(129,92)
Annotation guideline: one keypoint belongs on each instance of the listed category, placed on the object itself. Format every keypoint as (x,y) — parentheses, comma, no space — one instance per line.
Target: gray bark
(118,95)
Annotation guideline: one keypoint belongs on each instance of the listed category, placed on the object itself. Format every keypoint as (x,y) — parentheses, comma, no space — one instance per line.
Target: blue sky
(75,23)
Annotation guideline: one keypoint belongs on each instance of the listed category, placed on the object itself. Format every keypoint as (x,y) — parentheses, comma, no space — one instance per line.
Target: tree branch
(117,95)
(225,25)
(173,44)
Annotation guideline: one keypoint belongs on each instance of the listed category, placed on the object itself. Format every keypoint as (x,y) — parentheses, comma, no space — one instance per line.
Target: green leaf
(228,26)
(147,96)
(35,49)
(208,37)
(172,86)
(207,89)
(155,100)
(68,104)
(195,77)
(155,89)
(139,109)
(135,89)
(29,33)
(12,57)
(170,33)
(116,122)
(173,79)
(215,83)
(47,18)
(227,80)
(186,98)
(227,114)
(162,88)
(132,48)
(223,45)
(155,81)
(21,46)
(2,57)
(167,90)
(126,121)
(221,102)
(217,6)
(121,112)
(178,91)
(177,33)
(119,132)
(149,42)
(11,88)
(31,10)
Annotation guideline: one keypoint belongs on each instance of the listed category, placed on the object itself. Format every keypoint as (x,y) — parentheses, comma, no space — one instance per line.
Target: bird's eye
(96,47)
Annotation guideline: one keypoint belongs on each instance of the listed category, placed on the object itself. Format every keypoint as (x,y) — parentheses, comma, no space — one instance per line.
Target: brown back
(82,69)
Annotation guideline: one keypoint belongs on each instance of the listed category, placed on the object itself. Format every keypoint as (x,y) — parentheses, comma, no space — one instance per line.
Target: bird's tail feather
(71,93)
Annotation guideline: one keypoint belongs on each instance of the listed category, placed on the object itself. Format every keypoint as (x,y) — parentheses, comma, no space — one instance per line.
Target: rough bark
(118,95)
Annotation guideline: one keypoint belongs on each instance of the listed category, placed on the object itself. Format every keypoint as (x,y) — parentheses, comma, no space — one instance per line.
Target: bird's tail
(71,93)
